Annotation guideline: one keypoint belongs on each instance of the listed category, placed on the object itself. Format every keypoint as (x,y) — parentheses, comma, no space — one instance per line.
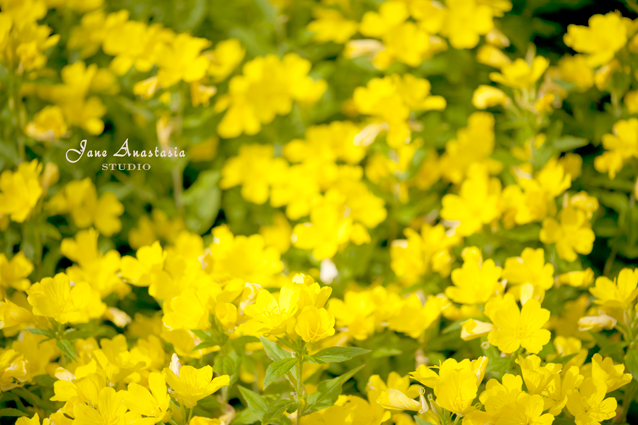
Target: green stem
(190,414)
(300,391)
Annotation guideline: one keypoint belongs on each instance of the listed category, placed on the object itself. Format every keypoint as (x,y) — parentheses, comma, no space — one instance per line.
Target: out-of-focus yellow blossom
(516,327)
(149,260)
(314,324)
(472,329)
(475,205)
(488,97)
(37,351)
(605,35)
(158,226)
(224,58)
(255,170)
(266,89)
(13,369)
(465,21)
(572,164)
(415,256)
(477,281)
(413,318)
(492,56)
(571,235)
(619,147)
(389,101)
(520,74)
(191,384)
(100,270)
(530,268)
(14,272)
(79,198)
(277,234)
(576,69)
(589,405)
(596,323)
(582,278)
(47,125)
(244,257)
(330,25)
(14,317)
(472,147)
(610,373)
(403,40)
(619,293)
(65,301)
(20,190)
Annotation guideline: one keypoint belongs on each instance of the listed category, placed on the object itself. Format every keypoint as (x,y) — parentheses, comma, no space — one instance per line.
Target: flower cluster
(396,212)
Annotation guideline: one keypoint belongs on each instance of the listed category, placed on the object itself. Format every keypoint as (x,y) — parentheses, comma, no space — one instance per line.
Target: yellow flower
(244,257)
(488,97)
(47,125)
(65,301)
(314,324)
(266,89)
(224,58)
(20,190)
(272,314)
(277,234)
(181,59)
(476,281)
(465,22)
(330,25)
(620,293)
(109,409)
(572,235)
(191,384)
(255,170)
(530,268)
(415,256)
(14,272)
(475,205)
(605,35)
(35,420)
(537,377)
(589,405)
(188,310)
(149,261)
(148,406)
(515,328)
(13,369)
(619,147)
(456,384)
(575,69)
(414,318)
(79,198)
(608,372)
(472,329)
(394,399)
(528,409)
(519,74)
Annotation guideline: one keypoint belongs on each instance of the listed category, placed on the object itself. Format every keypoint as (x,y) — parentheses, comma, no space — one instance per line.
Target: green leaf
(274,351)
(67,348)
(385,352)
(337,354)
(568,143)
(11,412)
(420,421)
(201,201)
(256,403)
(277,369)
(276,411)
(224,365)
(328,392)
(39,331)
(632,363)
